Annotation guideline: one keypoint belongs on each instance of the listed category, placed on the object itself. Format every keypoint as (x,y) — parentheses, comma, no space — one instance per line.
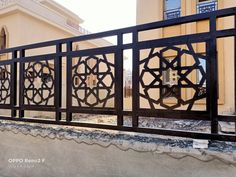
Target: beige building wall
(32,30)
(9,23)
(153,10)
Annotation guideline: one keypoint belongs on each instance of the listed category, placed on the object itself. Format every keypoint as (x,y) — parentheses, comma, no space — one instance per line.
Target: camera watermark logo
(25,162)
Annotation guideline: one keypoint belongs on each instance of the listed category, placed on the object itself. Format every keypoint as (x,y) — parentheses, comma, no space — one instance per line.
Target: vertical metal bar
(21,91)
(13,84)
(208,77)
(119,81)
(58,81)
(235,70)
(69,83)
(213,76)
(135,81)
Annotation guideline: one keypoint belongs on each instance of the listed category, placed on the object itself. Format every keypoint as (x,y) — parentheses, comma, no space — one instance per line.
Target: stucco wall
(11,23)
(71,152)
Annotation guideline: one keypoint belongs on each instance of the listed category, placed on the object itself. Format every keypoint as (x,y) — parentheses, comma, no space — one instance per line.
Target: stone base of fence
(38,150)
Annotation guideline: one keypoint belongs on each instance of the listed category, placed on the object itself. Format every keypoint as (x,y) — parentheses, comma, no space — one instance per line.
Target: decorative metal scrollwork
(93,81)
(5,77)
(157,64)
(39,83)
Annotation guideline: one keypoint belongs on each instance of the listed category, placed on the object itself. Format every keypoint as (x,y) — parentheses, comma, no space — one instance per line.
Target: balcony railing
(33,79)
(206,7)
(173,13)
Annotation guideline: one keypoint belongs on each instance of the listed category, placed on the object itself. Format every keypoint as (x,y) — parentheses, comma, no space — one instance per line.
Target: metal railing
(206,7)
(33,82)
(172,13)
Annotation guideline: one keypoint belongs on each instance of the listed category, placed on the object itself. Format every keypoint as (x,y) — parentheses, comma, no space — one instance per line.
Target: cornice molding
(4,3)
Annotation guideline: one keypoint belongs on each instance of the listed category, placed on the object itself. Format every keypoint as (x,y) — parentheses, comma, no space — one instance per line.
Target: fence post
(213,76)
(235,69)
(69,82)
(21,92)
(13,83)
(119,80)
(135,81)
(58,81)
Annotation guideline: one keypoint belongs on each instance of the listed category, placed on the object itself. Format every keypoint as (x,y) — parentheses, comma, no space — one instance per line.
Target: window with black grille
(172,9)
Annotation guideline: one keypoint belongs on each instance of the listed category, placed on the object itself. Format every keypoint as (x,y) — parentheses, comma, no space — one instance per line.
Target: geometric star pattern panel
(93,81)
(172,83)
(39,83)
(5,82)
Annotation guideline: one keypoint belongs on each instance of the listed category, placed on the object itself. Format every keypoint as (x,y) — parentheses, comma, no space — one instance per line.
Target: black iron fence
(94,78)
